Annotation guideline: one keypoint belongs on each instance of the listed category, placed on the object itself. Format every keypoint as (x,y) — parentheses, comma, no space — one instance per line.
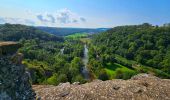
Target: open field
(77,36)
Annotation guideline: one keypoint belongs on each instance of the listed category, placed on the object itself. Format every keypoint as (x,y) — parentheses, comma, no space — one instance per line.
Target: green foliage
(95,67)
(43,57)
(62,78)
(103,75)
(76,63)
(120,74)
(9,32)
(114,70)
(52,80)
(137,44)
(118,53)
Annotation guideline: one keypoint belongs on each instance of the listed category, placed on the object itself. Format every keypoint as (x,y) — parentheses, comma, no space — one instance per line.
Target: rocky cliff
(14,80)
(140,87)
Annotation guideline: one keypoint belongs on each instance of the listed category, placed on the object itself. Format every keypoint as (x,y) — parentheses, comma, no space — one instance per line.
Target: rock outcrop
(8,48)
(139,87)
(14,80)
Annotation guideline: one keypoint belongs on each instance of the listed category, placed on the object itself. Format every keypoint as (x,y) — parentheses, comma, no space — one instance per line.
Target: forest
(142,48)
(118,53)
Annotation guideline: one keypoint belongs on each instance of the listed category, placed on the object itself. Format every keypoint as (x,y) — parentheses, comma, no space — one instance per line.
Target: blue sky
(84,13)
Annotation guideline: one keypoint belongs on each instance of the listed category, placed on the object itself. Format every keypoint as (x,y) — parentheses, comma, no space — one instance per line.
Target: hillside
(139,87)
(69,31)
(44,56)
(143,48)
(16,32)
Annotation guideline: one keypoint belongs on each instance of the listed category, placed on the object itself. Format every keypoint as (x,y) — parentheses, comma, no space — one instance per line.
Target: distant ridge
(15,32)
(67,31)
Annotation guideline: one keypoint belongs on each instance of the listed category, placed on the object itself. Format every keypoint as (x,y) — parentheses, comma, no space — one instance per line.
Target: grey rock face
(14,81)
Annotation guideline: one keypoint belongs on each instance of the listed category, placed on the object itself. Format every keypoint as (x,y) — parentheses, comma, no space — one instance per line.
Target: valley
(118,53)
(84,50)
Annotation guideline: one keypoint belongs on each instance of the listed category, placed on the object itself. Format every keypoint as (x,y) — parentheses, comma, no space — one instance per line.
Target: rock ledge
(7,48)
(139,87)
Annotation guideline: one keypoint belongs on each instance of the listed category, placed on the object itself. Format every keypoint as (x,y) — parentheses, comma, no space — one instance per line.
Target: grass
(111,69)
(76,36)
(142,68)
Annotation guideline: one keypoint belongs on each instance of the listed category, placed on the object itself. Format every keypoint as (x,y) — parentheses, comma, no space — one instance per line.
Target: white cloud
(46,18)
(64,16)
(60,18)
(16,21)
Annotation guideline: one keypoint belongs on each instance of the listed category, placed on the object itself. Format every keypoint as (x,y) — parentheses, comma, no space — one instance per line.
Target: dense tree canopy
(120,52)
(43,57)
(15,32)
(146,44)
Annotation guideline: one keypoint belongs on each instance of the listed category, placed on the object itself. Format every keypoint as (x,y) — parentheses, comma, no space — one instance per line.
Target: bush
(124,74)
(52,80)
(103,75)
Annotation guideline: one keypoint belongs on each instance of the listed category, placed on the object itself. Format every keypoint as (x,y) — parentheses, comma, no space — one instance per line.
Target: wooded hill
(42,54)
(145,44)
(69,31)
(15,32)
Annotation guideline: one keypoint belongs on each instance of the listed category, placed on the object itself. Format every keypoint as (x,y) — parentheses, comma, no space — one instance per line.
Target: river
(85,71)
(62,51)
(85,59)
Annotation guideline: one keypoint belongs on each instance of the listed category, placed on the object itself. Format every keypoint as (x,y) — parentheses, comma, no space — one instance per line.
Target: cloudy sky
(84,13)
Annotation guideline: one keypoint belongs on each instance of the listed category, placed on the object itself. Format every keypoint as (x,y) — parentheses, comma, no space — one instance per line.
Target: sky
(84,13)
